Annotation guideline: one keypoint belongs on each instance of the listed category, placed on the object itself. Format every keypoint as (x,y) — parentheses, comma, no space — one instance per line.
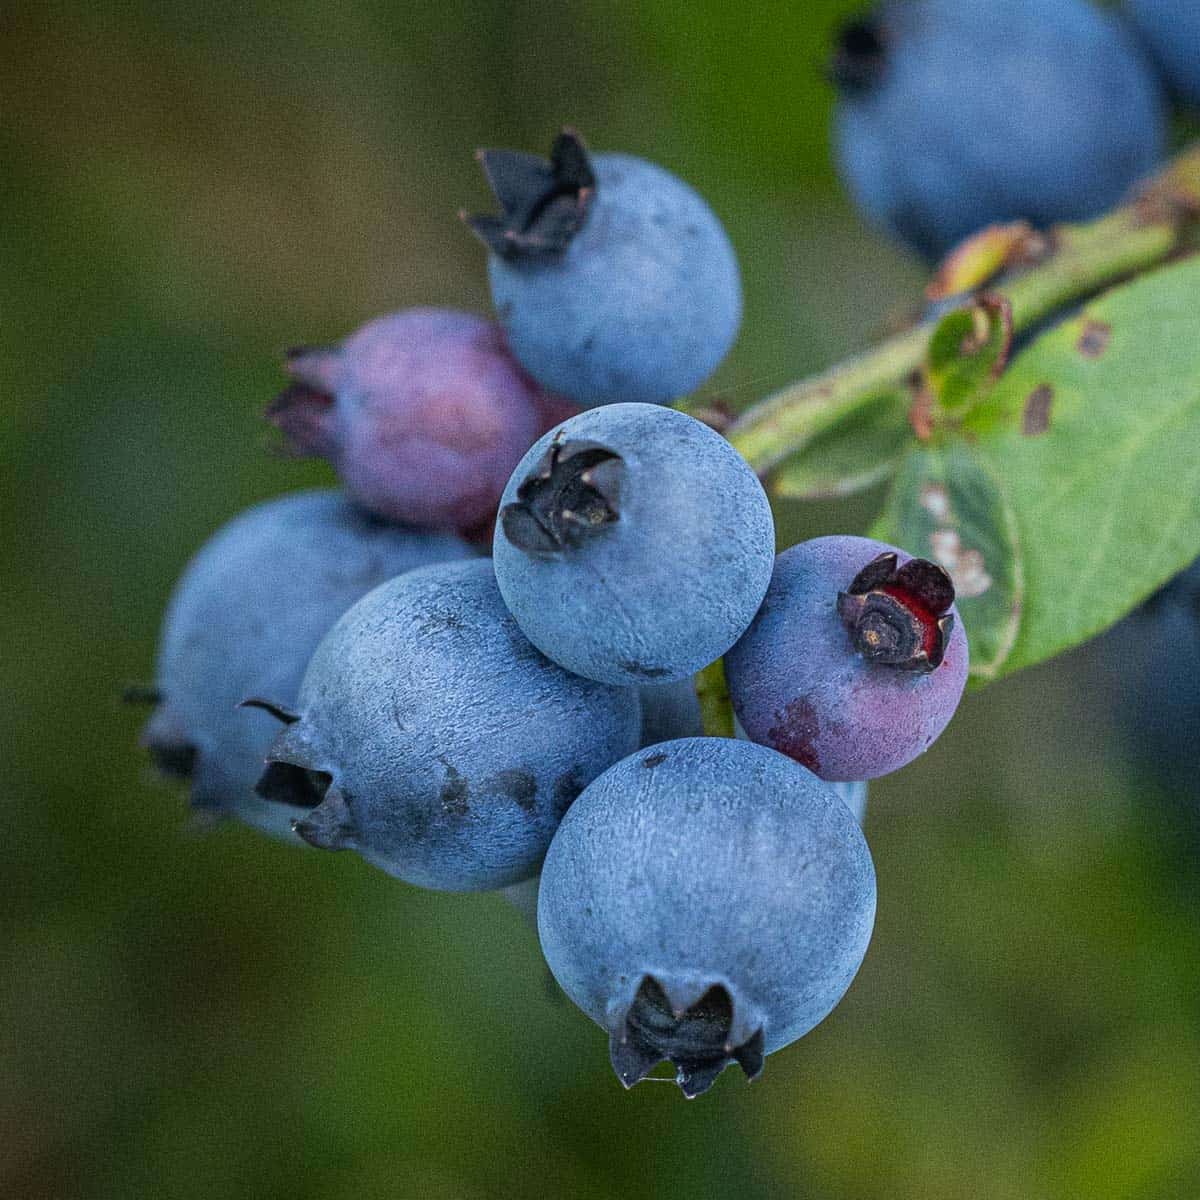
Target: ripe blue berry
(953,116)
(244,620)
(423,413)
(856,660)
(1171,31)
(634,544)
(613,279)
(705,901)
(436,741)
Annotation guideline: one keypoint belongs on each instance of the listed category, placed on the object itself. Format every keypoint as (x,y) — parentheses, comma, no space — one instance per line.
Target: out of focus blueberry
(423,413)
(244,620)
(953,115)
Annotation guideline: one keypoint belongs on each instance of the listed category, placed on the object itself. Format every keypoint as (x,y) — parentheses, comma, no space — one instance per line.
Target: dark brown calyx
(543,204)
(330,825)
(572,494)
(859,56)
(174,756)
(899,616)
(304,415)
(696,1039)
(177,759)
(287,783)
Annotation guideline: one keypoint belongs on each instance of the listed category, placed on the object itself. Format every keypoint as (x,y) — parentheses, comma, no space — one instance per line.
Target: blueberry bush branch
(1025,478)
(1076,261)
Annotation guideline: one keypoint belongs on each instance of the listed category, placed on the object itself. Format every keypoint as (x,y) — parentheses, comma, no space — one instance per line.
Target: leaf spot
(1094,338)
(935,501)
(1035,418)
(965,565)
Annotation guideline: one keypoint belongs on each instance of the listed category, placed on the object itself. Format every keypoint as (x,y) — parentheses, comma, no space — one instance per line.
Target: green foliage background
(188,188)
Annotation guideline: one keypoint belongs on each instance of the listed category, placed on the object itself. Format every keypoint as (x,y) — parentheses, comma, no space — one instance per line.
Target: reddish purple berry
(856,660)
(423,413)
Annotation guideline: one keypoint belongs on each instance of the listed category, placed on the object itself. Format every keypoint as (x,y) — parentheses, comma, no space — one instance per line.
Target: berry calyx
(697,1038)
(899,616)
(859,56)
(571,493)
(543,203)
(330,825)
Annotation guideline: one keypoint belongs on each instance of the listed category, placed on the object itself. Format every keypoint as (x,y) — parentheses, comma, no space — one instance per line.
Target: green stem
(716,711)
(1082,260)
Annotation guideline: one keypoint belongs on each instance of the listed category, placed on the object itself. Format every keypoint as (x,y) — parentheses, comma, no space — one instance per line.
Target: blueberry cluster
(349,669)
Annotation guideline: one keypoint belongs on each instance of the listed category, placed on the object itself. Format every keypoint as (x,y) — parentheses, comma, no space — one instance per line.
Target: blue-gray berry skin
(634,544)
(243,621)
(1171,31)
(706,901)
(670,711)
(811,677)
(435,740)
(956,115)
(637,299)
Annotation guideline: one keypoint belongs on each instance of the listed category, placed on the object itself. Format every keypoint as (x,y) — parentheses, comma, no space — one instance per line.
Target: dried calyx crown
(327,823)
(700,1039)
(543,203)
(303,411)
(571,494)
(899,616)
(860,55)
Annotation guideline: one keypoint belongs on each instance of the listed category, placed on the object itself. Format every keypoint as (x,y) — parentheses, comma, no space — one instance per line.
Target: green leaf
(1095,431)
(968,351)
(860,450)
(946,506)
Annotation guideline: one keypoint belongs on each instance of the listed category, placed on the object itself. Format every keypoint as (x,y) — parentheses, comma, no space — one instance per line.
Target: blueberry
(670,711)
(613,278)
(436,741)
(953,116)
(634,544)
(856,660)
(244,620)
(423,413)
(705,901)
(1171,31)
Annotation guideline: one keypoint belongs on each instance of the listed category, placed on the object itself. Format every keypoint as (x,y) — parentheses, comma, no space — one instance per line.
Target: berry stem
(1078,261)
(716,709)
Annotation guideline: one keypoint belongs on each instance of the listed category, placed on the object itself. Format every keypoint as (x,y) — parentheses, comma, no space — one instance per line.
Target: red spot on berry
(796,733)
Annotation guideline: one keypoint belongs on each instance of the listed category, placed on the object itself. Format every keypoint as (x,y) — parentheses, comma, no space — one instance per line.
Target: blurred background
(186,190)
